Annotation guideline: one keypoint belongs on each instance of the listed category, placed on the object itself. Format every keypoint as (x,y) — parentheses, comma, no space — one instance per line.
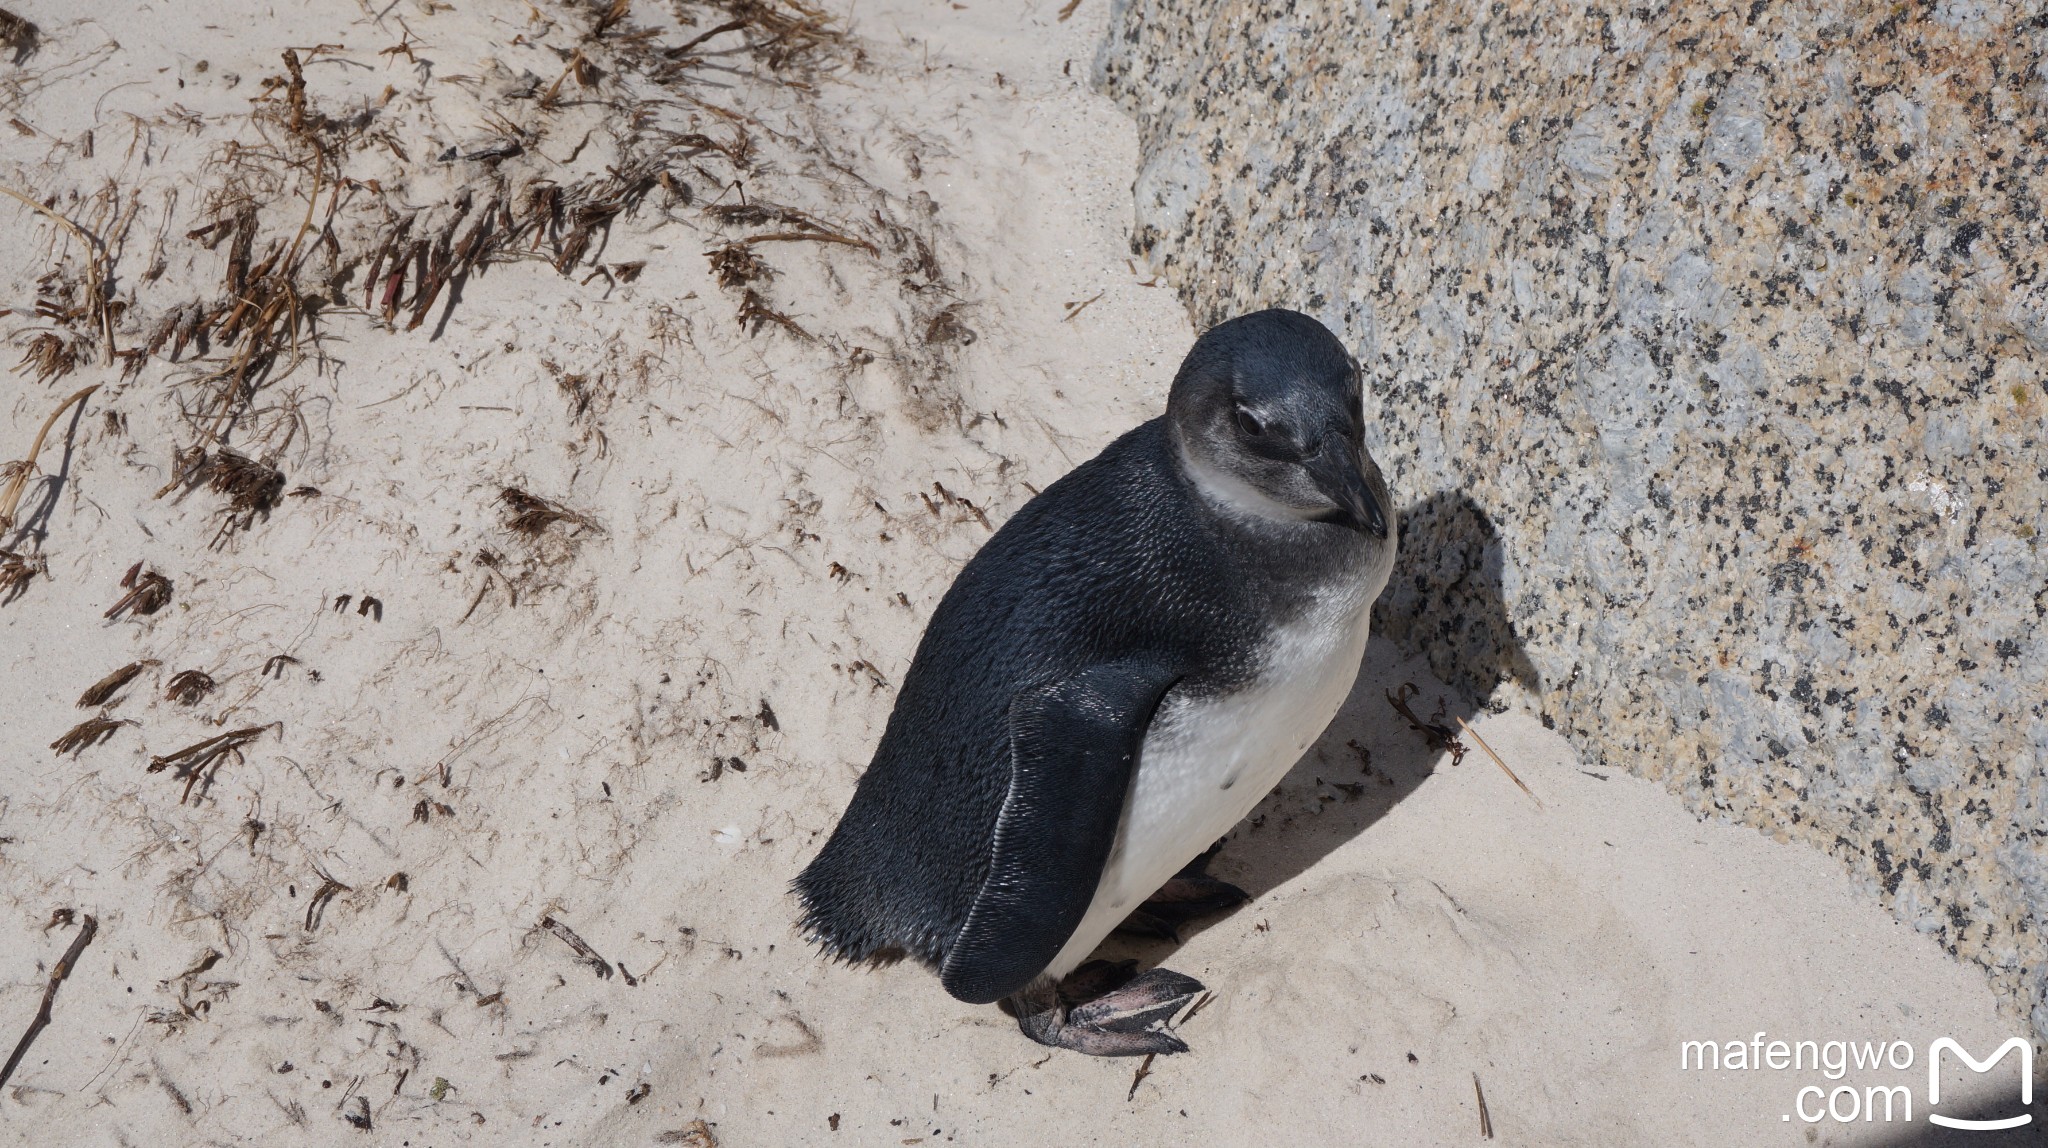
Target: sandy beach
(555,627)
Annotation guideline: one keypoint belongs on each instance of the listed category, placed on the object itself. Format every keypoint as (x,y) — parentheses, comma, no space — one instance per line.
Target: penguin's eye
(1249,423)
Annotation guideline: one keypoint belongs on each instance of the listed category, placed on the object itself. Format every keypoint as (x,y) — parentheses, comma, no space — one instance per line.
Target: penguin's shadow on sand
(1444,602)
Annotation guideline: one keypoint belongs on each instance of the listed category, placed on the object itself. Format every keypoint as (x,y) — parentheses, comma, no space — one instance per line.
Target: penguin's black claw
(1126,1021)
(1150,998)
(1188,897)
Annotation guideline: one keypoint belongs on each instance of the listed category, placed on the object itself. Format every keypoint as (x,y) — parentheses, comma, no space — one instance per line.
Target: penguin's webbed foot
(1188,897)
(1101,1010)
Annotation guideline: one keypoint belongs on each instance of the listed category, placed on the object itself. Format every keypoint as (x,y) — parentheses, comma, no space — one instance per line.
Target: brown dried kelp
(262,314)
(100,691)
(253,487)
(531,514)
(16,571)
(148,592)
(86,734)
(199,762)
(787,31)
(755,313)
(19,36)
(188,687)
(316,908)
(1436,733)
(48,356)
(946,327)
(736,266)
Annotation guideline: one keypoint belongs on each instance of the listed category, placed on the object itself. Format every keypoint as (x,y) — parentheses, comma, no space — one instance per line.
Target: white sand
(762,505)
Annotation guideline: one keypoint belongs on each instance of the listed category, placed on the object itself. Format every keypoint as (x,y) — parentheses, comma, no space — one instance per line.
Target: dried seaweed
(49,356)
(253,488)
(1439,736)
(148,592)
(19,36)
(755,313)
(86,734)
(946,327)
(611,17)
(263,320)
(316,908)
(697,1135)
(760,211)
(790,31)
(188,687)
(531,514)
(736,266)
(262,313)
(16,571)
(197,763)
(101,691)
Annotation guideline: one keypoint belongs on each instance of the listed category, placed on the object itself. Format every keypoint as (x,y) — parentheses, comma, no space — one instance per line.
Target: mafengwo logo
(1883,1103)
(1945,1044)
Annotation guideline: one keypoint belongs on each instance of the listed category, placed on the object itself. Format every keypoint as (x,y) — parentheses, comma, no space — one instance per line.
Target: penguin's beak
(1340,474)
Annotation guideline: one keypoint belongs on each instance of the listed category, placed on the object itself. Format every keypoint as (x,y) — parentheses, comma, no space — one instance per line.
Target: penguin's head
(1266,415)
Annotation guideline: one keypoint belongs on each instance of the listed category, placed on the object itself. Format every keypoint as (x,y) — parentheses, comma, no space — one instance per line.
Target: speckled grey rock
(1731,321)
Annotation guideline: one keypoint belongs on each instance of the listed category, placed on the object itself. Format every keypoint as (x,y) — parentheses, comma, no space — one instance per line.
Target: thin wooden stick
(1137,1078)
(1467,726)
(86,930)
(812,236)
(10,498)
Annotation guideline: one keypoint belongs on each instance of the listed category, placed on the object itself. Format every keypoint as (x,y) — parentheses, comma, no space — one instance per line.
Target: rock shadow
(1926,1134)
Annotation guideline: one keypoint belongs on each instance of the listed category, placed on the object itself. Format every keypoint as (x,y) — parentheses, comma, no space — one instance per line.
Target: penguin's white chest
(1207,761)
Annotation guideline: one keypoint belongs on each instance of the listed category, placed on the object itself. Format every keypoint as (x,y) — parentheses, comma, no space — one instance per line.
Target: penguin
(1113,682)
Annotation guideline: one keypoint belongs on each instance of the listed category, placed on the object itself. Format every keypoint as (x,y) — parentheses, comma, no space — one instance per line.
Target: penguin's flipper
(1072,745)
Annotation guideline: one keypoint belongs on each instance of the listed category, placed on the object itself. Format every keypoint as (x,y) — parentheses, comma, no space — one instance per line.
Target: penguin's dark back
(1114,558)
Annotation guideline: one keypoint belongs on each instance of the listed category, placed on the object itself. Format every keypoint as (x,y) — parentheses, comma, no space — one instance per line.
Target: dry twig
(1138,1077)
(58,973)
(583,950)
(1467,727)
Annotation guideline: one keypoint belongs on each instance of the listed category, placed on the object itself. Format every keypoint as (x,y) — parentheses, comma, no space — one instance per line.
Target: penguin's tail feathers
(842,919)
